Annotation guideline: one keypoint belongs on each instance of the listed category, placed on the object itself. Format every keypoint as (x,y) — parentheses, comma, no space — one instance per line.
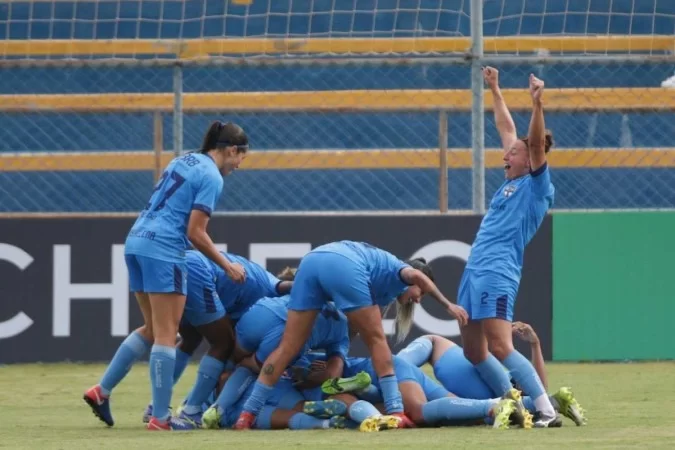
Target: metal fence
(352,124)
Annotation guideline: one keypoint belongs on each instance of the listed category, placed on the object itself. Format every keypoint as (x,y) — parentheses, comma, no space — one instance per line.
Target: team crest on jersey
(509,190)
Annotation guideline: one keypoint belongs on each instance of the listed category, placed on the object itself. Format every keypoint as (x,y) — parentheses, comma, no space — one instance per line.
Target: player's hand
(536,88)
(491,77)
(525,332)
(458,313)
(317,366)
(237,272)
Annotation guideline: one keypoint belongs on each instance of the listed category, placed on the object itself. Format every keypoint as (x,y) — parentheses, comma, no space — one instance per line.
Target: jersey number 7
(162,194)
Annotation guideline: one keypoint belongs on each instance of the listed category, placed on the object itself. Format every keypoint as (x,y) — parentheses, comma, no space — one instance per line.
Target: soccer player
(428,403)
(491,278)
(461,378)
(360,279)
(259,333)
(214,303)
(178,211)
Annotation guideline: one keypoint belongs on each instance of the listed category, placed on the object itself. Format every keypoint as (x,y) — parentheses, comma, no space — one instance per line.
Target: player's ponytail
(211,138)
(405,314)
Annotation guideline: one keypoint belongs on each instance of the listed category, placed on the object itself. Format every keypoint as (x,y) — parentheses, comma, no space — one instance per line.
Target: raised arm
(503,119)
(526,333)
(536,137)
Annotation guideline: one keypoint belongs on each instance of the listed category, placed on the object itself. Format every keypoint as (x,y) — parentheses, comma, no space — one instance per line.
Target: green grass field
(629,406)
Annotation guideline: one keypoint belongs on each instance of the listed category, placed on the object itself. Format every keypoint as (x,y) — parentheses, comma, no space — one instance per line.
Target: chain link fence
(331,128)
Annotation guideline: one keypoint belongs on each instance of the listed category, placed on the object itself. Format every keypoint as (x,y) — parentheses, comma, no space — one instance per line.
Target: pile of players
(278,347)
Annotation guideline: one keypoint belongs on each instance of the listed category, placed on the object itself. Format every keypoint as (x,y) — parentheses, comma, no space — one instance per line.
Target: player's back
(382,268)
(278,305)
(237,298)
(516,211)
(191,181)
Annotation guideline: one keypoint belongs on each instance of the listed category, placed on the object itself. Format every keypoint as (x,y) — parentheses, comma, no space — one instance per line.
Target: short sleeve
(208,194)
(541,181)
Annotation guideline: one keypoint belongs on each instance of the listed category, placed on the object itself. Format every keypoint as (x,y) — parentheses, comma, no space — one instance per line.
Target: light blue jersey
(330,332)
(212,294)
(516,211)
(351,274)
(237,298)
(260,330)
(189,182)
(490,282)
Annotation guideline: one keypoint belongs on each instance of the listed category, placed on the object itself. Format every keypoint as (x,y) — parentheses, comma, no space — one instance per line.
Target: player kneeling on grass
(459,376)
(425,401)
(282,410)
(259,333)
(214,305)
(359,279)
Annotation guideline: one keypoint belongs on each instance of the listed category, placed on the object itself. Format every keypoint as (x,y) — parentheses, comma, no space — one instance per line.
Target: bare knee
(475,354)
(500,347)
(145,331)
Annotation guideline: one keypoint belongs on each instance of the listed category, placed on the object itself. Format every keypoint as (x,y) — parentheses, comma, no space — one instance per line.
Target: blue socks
(455,408)
(302,421)
(162,365)
(393,403)
(130,351)
(235,386)
(207,378)
(523,372)
(417,352)
(182,360)
(258,398)
(361,410)
(494,375)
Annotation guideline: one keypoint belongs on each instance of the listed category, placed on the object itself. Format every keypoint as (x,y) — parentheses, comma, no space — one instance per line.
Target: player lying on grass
(490,282)
(425,401)
(214,304)
(259,333)
(358,278)
(176,215)
(460,377)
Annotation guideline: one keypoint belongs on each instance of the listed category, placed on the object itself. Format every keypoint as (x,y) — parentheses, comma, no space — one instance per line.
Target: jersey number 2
(178,181)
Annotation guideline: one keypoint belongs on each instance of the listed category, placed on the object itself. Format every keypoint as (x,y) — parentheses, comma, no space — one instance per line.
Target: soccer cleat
(569,407)
(394,422)
(341,385)
(341,423)
(502,413)
(171,424)
(549,422)
(100,404)
(404,421)
(245,421)
(325,409)
(370,425)
(211,418)
(147,414)
(194,419)
(521,416)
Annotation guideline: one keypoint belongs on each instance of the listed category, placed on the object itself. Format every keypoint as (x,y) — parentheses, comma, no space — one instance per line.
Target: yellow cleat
(370,425)
(211,419)
(521,416)
(502,412)
(569,407)
(389,422)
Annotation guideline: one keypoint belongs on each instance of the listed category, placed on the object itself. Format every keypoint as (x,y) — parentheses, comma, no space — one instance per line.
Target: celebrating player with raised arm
(179,210)
(359,279)
(491,278)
